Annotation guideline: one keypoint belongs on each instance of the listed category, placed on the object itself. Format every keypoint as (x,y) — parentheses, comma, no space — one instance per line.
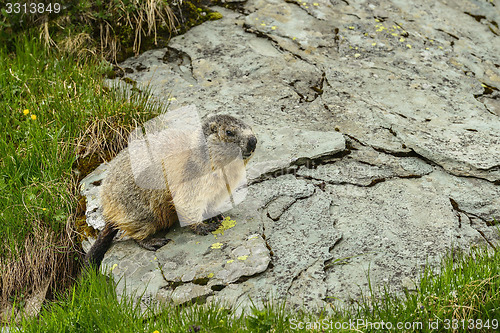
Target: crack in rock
(296,243)
(181,63)
(455,206)
(366,167)
(379,94)
(274,41)
(413,153)
(308,91)
(296,148)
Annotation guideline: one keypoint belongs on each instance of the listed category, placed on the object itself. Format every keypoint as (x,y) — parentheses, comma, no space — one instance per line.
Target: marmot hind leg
(208,225)
(96,253)
(152,243)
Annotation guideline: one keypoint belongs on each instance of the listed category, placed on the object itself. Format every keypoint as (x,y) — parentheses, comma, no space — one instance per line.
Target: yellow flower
(26,111)
(33,117)
(44,208)
(156,332)
(211,275)
(242,257)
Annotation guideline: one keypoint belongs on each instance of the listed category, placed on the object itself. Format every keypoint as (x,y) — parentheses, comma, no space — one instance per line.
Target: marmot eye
(229,133)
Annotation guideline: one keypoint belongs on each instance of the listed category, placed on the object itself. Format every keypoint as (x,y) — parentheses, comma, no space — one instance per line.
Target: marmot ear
(213,127)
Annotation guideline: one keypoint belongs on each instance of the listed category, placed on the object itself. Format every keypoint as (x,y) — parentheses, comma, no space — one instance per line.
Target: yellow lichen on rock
(226,224)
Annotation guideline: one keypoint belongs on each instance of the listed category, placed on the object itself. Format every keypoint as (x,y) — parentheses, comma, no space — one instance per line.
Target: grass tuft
(57,113)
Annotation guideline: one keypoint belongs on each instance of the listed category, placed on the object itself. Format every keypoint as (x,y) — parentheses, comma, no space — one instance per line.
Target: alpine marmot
(188,185)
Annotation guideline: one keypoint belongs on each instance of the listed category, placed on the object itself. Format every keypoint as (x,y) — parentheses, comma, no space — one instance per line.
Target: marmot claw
(153,244)
(208,226)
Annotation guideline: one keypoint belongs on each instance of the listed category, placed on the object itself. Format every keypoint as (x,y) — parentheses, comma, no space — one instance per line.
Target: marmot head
(227,136)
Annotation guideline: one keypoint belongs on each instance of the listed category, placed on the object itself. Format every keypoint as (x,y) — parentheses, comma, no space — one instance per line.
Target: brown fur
(141,212)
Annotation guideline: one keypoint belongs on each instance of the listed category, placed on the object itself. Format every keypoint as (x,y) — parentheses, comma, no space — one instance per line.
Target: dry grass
(112,24)
(103,137)
(79,45)
(146,19)
(47,262)
(44,266)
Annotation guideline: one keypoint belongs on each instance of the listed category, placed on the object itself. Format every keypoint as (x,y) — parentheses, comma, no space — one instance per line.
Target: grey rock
(89,187)
(226,259)
(188,292)
(284,148)
(394,230)
(378,151)
(408,284)
(279,205)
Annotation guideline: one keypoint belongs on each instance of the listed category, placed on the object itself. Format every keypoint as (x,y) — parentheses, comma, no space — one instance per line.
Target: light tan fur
(197,184)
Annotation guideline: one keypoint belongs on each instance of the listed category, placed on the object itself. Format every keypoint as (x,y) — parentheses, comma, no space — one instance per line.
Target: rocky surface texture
(379,147)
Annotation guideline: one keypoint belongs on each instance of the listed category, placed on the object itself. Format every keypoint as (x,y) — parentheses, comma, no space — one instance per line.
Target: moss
(195,12)
(129,81)
(214,16)
(83,229)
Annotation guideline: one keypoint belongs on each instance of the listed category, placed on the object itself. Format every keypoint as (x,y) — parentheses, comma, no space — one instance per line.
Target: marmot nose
(252,143)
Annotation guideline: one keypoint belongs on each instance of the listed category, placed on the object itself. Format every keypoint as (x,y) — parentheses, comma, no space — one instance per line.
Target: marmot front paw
(207,226)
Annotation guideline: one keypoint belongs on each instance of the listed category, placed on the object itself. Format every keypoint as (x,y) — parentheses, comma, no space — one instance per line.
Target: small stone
(408,284)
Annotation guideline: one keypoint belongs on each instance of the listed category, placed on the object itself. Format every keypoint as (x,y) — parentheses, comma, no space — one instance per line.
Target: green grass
(55,110)
(467,288)
(47,103)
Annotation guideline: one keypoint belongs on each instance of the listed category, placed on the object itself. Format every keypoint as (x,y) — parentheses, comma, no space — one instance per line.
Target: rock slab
(379,147)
